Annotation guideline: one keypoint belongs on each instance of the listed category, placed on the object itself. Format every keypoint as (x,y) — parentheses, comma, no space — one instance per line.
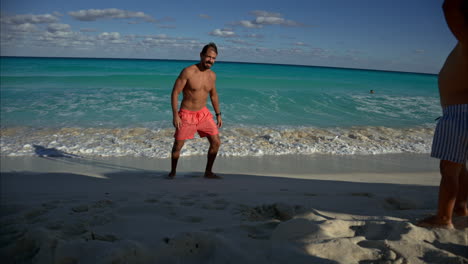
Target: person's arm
(456,15)
(178,87)
(215,103)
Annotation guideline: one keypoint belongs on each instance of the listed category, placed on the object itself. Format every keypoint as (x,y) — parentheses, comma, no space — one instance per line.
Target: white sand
(290,209)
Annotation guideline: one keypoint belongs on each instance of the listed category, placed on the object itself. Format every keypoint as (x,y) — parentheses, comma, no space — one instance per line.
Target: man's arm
(215,102)
(456,15)
(179,85)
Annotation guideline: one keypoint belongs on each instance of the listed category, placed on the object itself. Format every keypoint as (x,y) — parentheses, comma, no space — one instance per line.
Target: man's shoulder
(188,71)
(212,73)
(191,68)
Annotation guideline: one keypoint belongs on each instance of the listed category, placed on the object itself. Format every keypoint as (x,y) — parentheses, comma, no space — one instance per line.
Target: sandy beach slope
(286,209)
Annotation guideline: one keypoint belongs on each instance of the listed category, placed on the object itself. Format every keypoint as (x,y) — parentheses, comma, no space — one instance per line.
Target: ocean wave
(236,141)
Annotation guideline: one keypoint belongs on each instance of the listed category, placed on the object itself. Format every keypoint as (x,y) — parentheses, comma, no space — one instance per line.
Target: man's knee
(178,144)
(215,142)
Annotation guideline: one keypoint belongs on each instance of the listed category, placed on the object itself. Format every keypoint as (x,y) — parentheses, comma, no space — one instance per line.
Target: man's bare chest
(199,83)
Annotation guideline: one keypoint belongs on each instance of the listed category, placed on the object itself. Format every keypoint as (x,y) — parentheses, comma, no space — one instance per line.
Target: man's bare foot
(211,175)
(434,222)
(170,176)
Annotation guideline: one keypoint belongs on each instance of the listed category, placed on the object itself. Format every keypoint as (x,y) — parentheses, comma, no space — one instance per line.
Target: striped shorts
(451,135)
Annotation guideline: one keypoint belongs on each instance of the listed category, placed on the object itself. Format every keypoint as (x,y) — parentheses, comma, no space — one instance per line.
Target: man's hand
(176,121)
(219,120)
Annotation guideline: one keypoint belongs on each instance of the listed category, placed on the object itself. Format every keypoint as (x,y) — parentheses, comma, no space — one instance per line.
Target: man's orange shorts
(196,121)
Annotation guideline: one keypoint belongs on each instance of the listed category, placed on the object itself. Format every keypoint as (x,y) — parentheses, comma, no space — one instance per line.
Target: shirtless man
(196,82)
(451,136)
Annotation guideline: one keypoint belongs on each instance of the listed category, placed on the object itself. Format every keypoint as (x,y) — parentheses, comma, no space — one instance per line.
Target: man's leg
(462,197)
(176,148)
(215,142)
(448,192)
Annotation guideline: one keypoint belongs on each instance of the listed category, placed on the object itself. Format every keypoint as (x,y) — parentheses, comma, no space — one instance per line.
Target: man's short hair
(208,46)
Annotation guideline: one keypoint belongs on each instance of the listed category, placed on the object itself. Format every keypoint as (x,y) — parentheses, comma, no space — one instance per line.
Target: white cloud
(302,44)
(109,36)
(267,18)
(223,33)
(26,27)
(257,36)
(109,13)
(249,24)
(88,30)
(29,19)
(261,13)
(55,27)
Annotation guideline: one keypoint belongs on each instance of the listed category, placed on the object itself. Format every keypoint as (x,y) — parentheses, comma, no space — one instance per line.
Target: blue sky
(396,35)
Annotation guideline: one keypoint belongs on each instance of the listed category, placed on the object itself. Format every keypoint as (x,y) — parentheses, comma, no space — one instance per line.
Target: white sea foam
(236,141)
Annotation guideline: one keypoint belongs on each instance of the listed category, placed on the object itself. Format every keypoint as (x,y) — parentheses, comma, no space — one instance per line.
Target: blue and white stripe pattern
(451,135)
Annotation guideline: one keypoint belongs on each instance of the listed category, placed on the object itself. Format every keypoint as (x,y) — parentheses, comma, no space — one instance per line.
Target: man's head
(208,55)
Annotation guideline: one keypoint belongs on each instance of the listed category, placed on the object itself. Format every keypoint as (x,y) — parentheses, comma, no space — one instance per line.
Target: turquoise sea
(121,107)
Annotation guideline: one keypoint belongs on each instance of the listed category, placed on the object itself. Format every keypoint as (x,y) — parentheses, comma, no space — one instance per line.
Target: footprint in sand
(278,211)
(74,229)
(218,204)
(196,244)
(34,215)
(80,208)
(55,225)
(435,256)
(323,240)
(379,230)
(11,231)
(393,203)
(188,200)
(51,205)
(193,219)
(103,204)
(387,254)
(199,247)
(106,238)
(261,231)
(362,194)
(151,200)
(101,219)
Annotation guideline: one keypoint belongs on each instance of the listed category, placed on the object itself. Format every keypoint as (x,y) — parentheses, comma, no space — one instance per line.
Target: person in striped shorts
(450,143)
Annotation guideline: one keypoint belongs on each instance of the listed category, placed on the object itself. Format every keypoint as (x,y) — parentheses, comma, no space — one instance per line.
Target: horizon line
(239,62)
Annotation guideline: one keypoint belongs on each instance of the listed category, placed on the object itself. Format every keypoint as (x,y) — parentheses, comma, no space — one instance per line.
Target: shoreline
(236,141)
(290,166)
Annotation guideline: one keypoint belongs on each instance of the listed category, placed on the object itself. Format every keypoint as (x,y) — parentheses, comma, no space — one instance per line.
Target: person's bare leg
(462,197)
(448,192)
(215,142)
(176,148)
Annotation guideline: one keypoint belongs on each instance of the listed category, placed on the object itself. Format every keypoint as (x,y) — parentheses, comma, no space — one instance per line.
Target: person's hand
(219,120)
(176,121)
